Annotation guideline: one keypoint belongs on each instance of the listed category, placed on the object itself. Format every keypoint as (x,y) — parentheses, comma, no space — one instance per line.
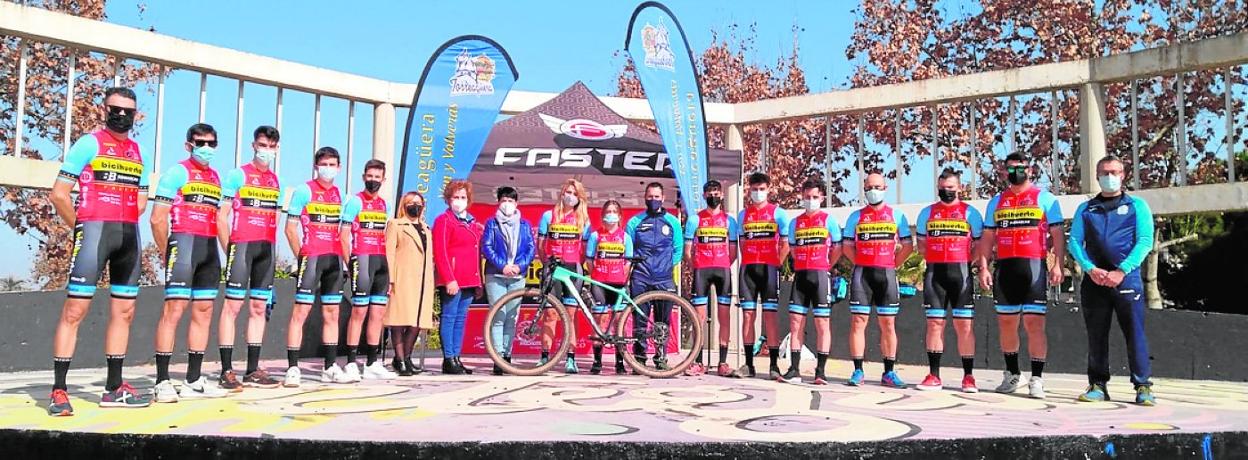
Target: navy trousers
(1099,305)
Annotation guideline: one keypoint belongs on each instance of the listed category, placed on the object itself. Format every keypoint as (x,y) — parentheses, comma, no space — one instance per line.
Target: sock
(968,364)
(774,354)
(162,366)
(723,354)
(353,352)
(371,351)
(1037,367)
(227,358)
(194,363)
(598,354)
(619,357)
(545,355)
(795,359)
(749,356)
(1011,363)
(699,358)
(571,355)
(60,368)
(933,362)
(330,351)
(888,364)
(821,359)
(292,357)
(253,357)
(857,364)
(114,371)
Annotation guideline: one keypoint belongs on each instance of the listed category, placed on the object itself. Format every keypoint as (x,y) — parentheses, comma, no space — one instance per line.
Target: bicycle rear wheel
(674,341)
(520,353)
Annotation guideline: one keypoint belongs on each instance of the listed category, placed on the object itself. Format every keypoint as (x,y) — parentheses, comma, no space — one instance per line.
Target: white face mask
(327,172)
(812,204)
(758,196)
(875,196)
(459,205)
(570,199)
(1110,183)
(508,207)
(266,156)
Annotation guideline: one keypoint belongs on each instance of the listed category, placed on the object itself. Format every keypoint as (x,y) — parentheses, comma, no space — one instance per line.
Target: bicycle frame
(566,277)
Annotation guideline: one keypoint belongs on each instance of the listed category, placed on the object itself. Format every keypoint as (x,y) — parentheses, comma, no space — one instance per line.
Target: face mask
(611,218)
(203,154)
(812,204)
(327,172)
(654,206)
(1018,176)
(759,196)
(372,186)
(266,156)
(714,201)
(875,196)
(412,210)
(1110,183)
(947,196)
(570,199)
(120,123)
(459,205)
(507,207)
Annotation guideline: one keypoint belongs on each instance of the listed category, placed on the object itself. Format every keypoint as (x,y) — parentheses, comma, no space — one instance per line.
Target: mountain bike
(674,341)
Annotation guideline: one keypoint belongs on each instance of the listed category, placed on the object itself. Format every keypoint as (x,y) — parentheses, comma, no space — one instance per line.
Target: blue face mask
(611,218)
(654,206)
(203,154)
(327,172)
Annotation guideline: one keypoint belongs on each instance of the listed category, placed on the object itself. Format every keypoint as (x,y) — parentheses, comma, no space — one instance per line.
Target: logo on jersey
(581,128)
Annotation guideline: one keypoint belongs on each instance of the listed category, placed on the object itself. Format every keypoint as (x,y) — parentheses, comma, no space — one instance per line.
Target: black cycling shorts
(874,287)
(704,279)
(98,244)
(192,267)
(556,288)
(948,286)
(1021,286)
(319,276)
(760,283)
(605,299)
(370,280)
(812,292)
(249,270)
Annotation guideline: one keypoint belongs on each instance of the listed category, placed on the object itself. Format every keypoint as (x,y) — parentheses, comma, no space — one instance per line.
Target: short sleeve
(351,209)
(734,229)
(591,245)
(298,200)
(79,156)
(691,226)
(792,231)
(834,230)
(782,221)
(145,174)
(231,183)
(976,221)
(170,183)
(851,227)
(543,225)
(920,225)
(989,221)
(903,224)
(1052,209)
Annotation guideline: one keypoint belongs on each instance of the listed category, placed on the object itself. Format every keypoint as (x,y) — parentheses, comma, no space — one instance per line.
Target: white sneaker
(378,371)
(1036,387)
(335,374)
(164,392)
(352,373)
(200,388)
(293,376)
(1009,383)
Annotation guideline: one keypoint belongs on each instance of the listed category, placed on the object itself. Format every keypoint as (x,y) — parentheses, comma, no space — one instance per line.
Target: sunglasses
(115,110)
(1016,169)
(203,142)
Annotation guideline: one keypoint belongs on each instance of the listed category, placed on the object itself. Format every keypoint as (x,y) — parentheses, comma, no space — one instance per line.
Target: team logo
(473,75)
(583,129)
(658,47)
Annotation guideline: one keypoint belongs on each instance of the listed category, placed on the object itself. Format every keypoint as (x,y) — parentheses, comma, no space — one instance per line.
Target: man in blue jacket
(659,244)
(1110,236)
(507,247)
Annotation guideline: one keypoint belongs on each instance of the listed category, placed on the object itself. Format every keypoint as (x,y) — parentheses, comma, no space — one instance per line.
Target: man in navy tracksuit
(659,244)
(1110,236)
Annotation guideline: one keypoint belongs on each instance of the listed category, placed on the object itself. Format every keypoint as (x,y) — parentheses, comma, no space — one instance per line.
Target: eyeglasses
(115,110)
(203,142)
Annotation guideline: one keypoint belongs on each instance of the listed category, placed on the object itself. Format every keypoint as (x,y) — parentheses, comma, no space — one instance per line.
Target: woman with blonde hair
(410,260)
(561,233)
(457,258)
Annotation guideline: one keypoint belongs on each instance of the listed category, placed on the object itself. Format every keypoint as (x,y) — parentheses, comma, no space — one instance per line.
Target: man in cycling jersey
(1017,224)
(815,239)
(184,225)
(108,168)
(658,243)
(710,245)
(764,244)
(363,236)
(247,231)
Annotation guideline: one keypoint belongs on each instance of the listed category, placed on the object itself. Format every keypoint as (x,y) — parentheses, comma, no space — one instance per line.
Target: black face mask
(947,196)
(372,186)
(120,123)
(413,210)
(654,206)
(714,201)
(1017,176)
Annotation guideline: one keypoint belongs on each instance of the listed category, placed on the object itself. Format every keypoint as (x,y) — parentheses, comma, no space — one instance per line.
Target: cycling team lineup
(607,284)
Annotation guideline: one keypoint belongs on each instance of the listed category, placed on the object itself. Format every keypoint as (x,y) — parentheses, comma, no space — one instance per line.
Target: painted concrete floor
(433,407)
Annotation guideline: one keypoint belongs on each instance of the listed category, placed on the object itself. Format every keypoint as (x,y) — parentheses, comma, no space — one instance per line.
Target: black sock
(60,369)
(227,358)
(888,364)
(749,356)
(933,362)
(1011,363)
(194,364)
(699,358)
(795,359)
(114,371)
(723,355)
(968,364)
(353,352)
(774,354)
(1037,367)
(253,357)
(330,351)
(545,354)
(598,354)
(857,364)
(162,366)
(619,357)
(371,351)
(821,359)
(292,357)
(571,355)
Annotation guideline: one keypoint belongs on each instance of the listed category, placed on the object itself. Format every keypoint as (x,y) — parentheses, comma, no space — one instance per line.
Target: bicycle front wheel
(520,325)
(661,337)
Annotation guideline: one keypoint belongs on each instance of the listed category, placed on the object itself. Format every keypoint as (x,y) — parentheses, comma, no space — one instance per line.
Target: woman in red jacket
(457,258)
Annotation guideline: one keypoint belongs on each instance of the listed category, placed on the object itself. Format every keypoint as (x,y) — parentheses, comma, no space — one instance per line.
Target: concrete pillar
(1091,135)
(733,203)
(383,148)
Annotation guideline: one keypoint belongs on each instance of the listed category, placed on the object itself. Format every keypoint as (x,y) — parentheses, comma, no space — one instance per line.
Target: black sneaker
(595,368)
(620,369)
(774,374)
(792,376)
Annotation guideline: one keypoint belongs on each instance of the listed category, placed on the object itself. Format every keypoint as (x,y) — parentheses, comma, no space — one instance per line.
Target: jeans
(1099,305)
(454,313)
(503,330)
(662,314)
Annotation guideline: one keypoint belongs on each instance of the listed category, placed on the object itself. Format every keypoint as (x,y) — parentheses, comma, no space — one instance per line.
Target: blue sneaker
(856,379)
(891,379)
(543,360)
(570,366)
(124,396)
(1095,393)
(1144,396)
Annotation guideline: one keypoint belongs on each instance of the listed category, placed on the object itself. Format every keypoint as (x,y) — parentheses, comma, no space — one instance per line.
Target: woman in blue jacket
(507,246)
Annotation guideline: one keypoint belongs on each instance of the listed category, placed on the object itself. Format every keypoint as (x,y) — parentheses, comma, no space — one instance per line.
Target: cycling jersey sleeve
(976,221)
(170,183)
(792,231)
(734,229)
(231,183)
(903,224)
(350,210)
(691,226)
(628,246)
(1052,209)
(1075,245)
(678,243)
(851,227)
(1143,237)
(298,200)
(591,245)
(990,222)
(834,230)
(145,174)
(543,225)
(79,156)
(782,221)
(920,225)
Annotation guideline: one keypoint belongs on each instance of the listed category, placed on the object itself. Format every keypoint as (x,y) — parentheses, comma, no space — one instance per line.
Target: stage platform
(579,416)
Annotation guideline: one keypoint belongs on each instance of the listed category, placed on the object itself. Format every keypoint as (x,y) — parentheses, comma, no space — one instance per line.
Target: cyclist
(816,241)
(658,244)
(609,249)
(363,235)
(710,237)
(764,243)
(507,247)
(561,234)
